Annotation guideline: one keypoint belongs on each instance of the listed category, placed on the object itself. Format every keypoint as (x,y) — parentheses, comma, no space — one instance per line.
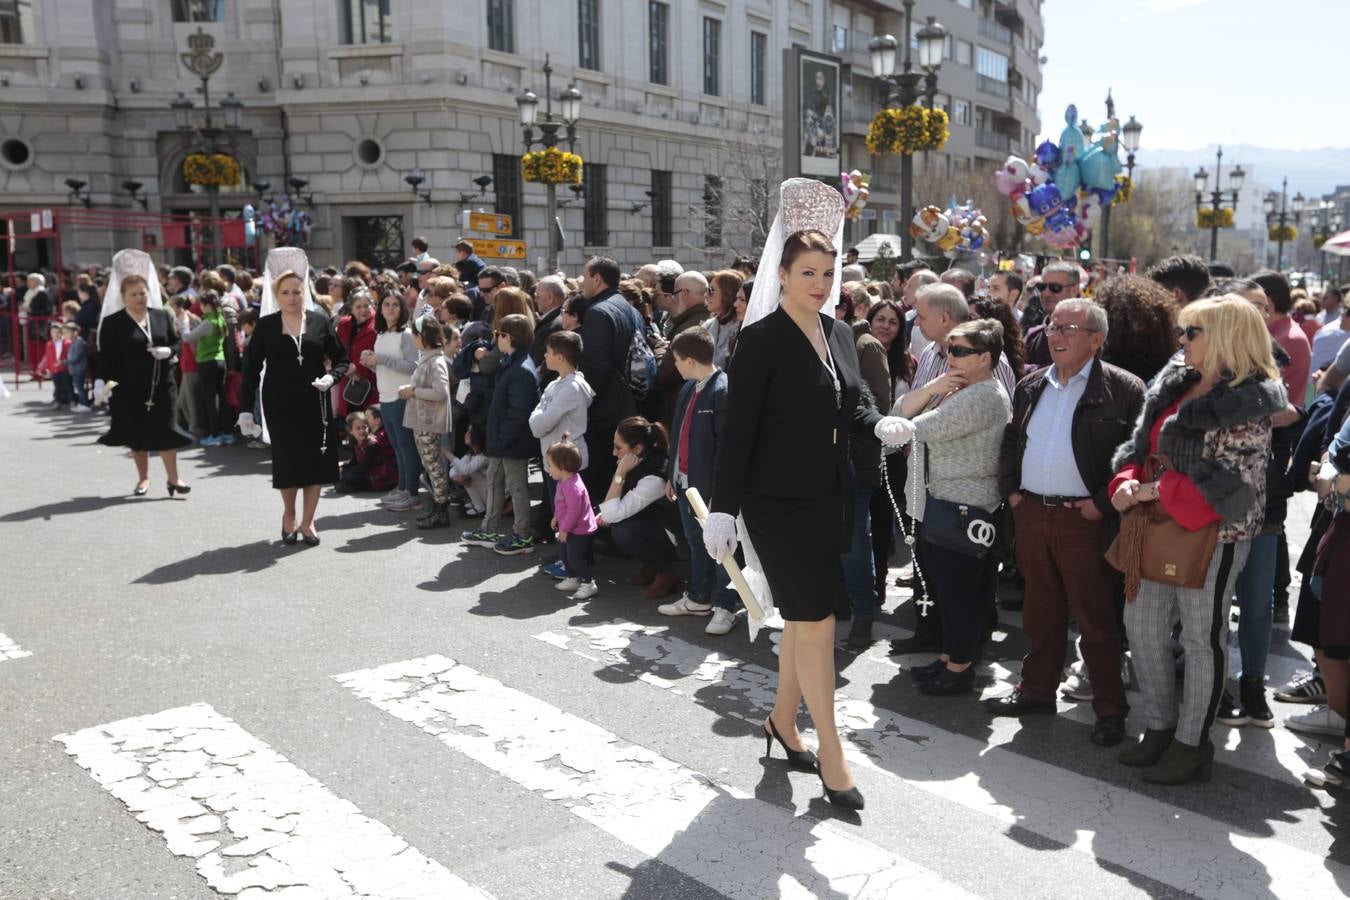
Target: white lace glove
(247,427)
(894,431)
(160,352)
(102,391)
(719,535)
(322,384)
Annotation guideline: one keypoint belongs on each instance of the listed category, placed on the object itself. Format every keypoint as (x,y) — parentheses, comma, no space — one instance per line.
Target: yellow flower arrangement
(219,169)
(551,166)
(1285,233)
(1211,218)
(1318,241)
(1124,186)
(907,131)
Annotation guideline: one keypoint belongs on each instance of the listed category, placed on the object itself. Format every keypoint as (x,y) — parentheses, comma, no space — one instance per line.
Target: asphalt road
(190,710)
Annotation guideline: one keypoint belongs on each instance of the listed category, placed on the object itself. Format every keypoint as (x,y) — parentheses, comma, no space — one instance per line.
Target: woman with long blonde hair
(1207,419)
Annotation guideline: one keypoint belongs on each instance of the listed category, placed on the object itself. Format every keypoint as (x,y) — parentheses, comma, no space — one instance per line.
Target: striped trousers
(1203,613)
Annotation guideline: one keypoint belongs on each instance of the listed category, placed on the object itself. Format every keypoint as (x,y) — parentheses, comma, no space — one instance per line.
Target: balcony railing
(995,32)
(992,85)
(992,140)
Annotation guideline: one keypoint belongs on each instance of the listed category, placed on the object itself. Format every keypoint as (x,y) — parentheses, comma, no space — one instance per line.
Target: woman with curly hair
(1142,319)
(1013,348)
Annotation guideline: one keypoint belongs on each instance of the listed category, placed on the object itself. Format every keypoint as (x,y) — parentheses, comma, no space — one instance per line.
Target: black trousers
(211,402)
(963,588)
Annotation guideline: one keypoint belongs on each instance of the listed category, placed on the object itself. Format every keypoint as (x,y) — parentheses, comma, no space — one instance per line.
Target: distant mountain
(1311,172)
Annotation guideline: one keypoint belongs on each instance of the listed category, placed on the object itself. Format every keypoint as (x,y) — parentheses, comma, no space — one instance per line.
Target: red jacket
(52,362)
(1176,492)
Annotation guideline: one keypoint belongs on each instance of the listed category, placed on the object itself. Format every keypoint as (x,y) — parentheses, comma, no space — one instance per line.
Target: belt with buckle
(1051,500)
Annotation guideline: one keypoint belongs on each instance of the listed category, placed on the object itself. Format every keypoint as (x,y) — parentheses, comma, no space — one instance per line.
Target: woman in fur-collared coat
(1208,417)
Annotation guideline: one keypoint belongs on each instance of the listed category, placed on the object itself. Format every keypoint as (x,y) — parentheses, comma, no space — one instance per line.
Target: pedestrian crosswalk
(11,650)
(257,827)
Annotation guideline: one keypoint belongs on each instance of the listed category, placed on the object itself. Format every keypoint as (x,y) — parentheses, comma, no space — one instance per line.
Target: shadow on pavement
(74,506)
(243,559)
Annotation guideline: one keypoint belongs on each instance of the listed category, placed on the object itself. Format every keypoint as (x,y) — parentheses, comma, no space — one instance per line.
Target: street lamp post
(904,91)
(1282,217)
(569,103)
(1216,200)
(1129,139)
(1326,220)
(202,61)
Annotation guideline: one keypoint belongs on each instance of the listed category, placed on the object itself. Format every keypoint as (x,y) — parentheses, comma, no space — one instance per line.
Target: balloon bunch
(285,224)
(854,186)
(958,231)
(1061,193)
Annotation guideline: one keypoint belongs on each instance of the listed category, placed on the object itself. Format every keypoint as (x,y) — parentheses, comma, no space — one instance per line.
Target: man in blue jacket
(700,415)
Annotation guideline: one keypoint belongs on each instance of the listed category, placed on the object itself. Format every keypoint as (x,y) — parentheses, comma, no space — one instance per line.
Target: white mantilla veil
(124,263)
(283,259)
(803,204)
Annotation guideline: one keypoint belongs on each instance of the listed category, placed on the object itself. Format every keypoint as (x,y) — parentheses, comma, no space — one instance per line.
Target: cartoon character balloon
(855,188)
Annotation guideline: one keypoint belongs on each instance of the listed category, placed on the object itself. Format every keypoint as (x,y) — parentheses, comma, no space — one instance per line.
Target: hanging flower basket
(551,166)
(1318,241)
(1285,233)
(218,169)
(906,131)
(1212,218)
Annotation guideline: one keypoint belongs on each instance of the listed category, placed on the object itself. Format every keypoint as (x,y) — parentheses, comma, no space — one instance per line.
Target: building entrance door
(378,240)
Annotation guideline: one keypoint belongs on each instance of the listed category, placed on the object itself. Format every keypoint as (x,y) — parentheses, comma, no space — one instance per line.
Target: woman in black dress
(137,346)
(783,464)
(303,358)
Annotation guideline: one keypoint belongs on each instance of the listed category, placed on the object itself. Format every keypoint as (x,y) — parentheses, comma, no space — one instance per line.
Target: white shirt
(1048,464)
(1326,343)
(917,342)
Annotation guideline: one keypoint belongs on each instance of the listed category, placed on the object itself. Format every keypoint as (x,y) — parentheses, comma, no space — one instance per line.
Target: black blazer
(785,436)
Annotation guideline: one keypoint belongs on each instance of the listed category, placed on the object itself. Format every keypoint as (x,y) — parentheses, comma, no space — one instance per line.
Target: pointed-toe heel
(803,760)
(849,799)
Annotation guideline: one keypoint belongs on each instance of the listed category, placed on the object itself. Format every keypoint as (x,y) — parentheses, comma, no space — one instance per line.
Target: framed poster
(818,111)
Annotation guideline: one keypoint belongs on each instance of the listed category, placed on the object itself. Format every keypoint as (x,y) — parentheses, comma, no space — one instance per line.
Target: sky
(1200,72)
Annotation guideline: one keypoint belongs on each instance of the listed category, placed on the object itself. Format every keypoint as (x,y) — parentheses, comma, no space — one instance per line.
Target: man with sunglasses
(1055,468)
(1059,281)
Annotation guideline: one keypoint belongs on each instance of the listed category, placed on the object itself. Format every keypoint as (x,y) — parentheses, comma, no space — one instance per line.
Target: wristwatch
(617,479)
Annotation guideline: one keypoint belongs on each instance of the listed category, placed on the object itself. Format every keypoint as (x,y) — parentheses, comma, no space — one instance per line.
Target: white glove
(102,391)
(719,535)
(247,427)
(160,352)
(894,431)
(322,384)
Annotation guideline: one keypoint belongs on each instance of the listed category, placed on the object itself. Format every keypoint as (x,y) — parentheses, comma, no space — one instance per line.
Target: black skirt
(142,413)
(304,435)
(798,544)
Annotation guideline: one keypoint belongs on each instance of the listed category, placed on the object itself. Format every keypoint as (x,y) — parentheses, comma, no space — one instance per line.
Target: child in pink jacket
(573,519)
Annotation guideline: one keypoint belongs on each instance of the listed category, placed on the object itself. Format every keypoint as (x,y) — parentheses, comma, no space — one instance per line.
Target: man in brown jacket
(1054,468)
(688,309)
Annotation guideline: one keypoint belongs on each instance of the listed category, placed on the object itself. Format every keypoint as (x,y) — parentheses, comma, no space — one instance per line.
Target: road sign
(489,249)
(489,223)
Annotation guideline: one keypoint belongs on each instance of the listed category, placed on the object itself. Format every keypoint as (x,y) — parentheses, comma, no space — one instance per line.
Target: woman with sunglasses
(959,419)
(1207,417)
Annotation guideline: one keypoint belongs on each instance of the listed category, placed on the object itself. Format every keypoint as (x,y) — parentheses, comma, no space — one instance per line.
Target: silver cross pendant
(923,602)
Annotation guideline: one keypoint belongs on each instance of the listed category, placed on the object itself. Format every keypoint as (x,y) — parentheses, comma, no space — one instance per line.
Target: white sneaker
(404,503)
(1318,720)
(568,585)
(80,407)
(1078,688)
(684,607)
(391,496)
(722,621)
(586,591)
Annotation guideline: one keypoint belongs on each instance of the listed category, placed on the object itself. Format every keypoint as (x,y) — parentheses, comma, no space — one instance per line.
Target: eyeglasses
(1068,330)
(1189,332)
(1054,288)
(961,352)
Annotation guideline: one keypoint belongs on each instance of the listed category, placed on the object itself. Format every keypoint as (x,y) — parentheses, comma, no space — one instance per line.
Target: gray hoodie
(562,408)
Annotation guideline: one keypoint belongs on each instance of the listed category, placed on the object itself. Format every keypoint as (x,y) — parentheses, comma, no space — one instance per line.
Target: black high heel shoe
(849,799)
(947,683)
(311,540)
(802,760)
(179,489)
(289,537)
(929,671)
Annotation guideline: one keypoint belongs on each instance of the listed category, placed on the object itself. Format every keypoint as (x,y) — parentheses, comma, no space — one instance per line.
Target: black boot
(438,518)
(1253,694)
(1180,763)
(1149,749)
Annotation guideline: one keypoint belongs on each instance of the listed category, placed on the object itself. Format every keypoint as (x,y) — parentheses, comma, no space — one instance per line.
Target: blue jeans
(857,564)
(642,538)
(405,446)
(1256,600)
(708,580)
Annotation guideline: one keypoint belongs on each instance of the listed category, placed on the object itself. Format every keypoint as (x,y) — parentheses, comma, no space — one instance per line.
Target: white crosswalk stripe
(1203,856)
(257,826)
(717,834)
(11,650)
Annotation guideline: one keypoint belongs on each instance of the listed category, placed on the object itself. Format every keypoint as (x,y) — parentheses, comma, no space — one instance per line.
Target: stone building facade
(680,99)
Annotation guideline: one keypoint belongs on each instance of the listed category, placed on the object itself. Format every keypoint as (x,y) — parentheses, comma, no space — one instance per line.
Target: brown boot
(644,576)
(662,584)
(1180,763)
(860,635)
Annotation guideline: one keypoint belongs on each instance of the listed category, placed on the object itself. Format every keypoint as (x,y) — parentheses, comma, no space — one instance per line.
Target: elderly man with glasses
(688,308)
(1054,468)
(1059,281)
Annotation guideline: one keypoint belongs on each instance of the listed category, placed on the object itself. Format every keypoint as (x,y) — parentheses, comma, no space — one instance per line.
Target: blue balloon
(1047,155)
(1105,197)
(1045,198)
(1061,219)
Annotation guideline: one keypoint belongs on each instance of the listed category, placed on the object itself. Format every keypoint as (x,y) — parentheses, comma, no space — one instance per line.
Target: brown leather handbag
(1153,545)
